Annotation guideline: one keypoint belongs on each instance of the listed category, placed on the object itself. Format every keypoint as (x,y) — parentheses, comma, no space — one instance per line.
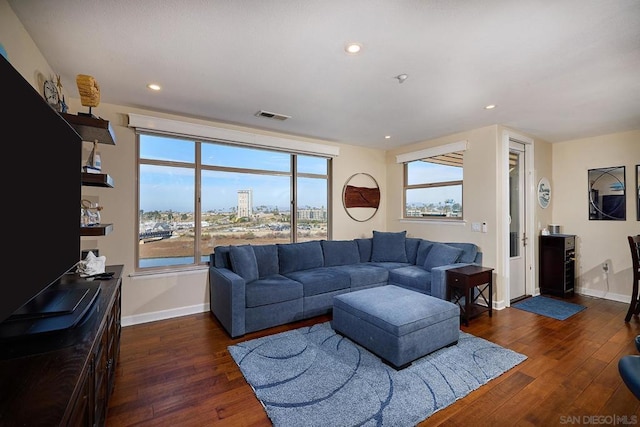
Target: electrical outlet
(605,267)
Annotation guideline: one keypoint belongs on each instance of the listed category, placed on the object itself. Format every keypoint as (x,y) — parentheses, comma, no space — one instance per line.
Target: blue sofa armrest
(227,299)
(439,279)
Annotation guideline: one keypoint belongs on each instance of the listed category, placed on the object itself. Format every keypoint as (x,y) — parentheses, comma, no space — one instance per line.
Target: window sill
(452,222)
(170,271)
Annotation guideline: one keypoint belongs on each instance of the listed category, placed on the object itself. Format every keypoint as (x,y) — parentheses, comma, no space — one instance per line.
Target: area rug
(549,307)
(314,377)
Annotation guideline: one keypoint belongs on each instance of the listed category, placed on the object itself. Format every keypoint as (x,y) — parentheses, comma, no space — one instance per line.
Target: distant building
(312,214)
(245,203)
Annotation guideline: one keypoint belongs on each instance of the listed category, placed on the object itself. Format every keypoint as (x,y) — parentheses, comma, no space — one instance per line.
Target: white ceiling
(556,69)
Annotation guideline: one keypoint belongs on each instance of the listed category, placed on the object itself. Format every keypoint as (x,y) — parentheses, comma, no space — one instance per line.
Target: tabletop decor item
(89,91)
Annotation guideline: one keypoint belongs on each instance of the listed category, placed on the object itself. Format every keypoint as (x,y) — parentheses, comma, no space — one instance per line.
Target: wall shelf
(96,230)
(91,128)
(97,180)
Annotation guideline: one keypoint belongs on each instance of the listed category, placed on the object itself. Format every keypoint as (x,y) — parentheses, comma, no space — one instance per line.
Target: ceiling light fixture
(353,48)
(490,107)
(387,137)
(401,78)
(154,86)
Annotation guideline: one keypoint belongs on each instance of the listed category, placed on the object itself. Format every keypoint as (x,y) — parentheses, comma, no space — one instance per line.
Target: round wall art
(361,196)
(544,193)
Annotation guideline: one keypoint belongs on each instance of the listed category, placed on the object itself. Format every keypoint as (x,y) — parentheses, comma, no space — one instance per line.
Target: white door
(517,221)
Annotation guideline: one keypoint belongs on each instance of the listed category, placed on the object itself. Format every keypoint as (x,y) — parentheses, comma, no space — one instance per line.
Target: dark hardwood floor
(178,372)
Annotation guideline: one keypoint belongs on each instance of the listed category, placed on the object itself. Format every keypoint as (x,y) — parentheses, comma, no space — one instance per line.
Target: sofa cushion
(340,252)
(317,281)
(272,290)
(221,257)
(267,258)
(389,246)
(423,250)
(469,251)
(364,247)
(412,244)
(413,277)
(365,274)
(299,256)
(243,262)
(441,254)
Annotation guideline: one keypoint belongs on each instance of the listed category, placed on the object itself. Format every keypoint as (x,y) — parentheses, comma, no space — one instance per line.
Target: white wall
(597,241)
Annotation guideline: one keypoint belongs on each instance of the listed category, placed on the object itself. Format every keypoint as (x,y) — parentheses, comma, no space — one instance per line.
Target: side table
(469,286)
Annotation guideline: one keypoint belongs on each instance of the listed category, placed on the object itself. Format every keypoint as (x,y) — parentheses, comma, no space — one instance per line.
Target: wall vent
(270,115)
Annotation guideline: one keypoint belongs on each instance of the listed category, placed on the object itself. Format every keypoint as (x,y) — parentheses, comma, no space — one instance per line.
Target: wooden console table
(468,286)
(64,378)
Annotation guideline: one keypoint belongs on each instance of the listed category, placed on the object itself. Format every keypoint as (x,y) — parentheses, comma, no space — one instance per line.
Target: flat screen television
(41,198)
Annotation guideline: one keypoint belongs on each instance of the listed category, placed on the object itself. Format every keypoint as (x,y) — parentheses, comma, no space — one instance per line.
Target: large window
(433,187)
(196,195)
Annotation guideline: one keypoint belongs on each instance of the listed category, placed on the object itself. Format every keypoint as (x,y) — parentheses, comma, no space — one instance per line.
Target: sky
(172,188)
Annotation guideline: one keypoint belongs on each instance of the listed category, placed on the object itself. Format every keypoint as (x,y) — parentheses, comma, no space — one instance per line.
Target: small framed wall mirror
(637,192)
(607,195)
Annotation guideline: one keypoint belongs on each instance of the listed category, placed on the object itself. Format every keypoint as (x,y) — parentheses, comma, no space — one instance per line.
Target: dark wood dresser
(64,378)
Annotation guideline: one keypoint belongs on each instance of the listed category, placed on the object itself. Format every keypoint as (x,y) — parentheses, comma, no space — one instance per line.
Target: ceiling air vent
(270,115)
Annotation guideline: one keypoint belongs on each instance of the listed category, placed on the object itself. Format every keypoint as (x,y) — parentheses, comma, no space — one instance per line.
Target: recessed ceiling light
(490,107)
(387,137)
(353,48)
(154,86)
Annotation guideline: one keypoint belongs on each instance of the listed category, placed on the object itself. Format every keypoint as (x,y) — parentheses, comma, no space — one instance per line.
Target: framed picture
(607,200)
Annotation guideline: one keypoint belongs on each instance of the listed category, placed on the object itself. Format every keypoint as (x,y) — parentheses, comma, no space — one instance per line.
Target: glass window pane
(311,164)
(421,172)
(246,158)
(168,149)
(243,208)
(166,216)
(434,202)
(312,209)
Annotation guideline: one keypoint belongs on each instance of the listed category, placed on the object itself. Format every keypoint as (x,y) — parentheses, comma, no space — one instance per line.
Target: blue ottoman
(397,324)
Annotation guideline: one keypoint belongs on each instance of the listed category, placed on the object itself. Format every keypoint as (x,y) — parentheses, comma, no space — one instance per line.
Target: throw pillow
(243,262)
(389,246)
(267,259)
(469,251)
(423,250)
(299,256)
(340,252)
(364,248)
(412,245)
(441,254)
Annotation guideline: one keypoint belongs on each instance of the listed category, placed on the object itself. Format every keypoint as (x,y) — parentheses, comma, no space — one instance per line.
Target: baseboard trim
(137,319)
(202,308)
(603,295)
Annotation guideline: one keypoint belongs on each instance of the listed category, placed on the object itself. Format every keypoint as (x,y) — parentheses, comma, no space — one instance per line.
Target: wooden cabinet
(471,287)
(557,257)
(64,378)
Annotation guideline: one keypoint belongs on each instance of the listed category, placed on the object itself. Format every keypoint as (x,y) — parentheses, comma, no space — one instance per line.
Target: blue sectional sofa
(253,287)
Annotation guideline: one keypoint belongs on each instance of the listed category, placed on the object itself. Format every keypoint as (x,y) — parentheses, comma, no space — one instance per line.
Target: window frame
(199,168)
(442,157)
